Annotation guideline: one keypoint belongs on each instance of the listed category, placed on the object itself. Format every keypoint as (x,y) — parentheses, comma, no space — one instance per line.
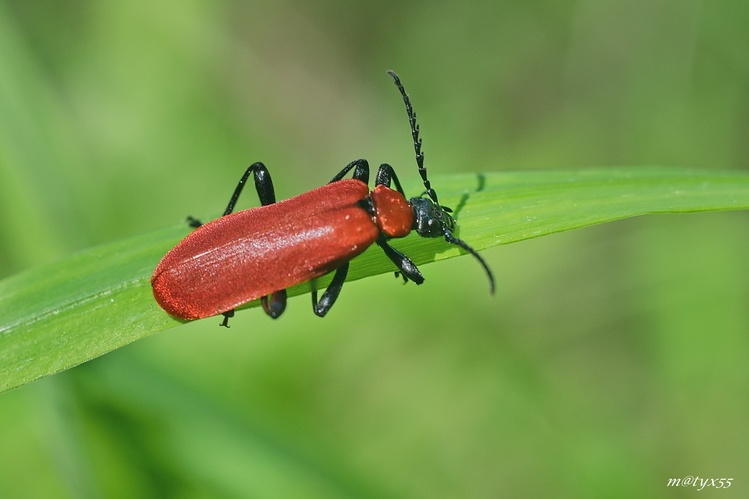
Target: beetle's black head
(431,219)
(434,220)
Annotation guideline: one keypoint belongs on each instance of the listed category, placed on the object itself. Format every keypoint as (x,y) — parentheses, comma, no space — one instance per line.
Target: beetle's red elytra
(252,253)
(260,252)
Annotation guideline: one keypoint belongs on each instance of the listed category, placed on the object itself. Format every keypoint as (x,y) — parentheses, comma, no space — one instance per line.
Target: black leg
(361,171)
(330,295)
(331,292)
(227,315)
(274,304)
(385,174)
(194,222)
(263,186)
(406,267)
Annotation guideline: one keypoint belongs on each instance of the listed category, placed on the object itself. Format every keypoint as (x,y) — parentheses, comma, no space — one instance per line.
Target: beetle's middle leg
(361,171)
(331,293)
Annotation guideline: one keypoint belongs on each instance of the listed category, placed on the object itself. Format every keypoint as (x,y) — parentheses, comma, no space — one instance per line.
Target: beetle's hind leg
(263,186)
(331,293)
(193,222)
(227,315)
(275,303)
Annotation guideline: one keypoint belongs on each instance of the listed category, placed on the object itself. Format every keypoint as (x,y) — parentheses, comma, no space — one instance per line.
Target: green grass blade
(60,315)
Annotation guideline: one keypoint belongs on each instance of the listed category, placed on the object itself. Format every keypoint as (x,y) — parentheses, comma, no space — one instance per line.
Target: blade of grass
(60,315)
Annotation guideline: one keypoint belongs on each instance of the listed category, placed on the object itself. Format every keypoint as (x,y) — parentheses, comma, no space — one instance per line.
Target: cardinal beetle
(259,252)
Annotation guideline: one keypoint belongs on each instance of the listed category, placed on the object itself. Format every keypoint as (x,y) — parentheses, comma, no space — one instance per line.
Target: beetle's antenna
(449,237)
(459,242)
(415,134)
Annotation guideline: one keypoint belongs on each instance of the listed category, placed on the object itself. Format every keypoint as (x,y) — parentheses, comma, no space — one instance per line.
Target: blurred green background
(610,360)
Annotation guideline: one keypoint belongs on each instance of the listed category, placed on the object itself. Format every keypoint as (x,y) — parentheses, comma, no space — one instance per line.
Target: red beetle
(260,252)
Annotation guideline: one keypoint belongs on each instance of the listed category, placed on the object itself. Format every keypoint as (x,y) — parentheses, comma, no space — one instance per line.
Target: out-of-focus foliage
(610,360)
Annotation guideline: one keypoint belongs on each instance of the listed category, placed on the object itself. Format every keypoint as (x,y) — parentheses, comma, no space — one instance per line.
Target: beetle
(262,251)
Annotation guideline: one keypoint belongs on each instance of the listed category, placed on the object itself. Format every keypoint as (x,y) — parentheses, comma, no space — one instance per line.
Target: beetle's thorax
(390,211)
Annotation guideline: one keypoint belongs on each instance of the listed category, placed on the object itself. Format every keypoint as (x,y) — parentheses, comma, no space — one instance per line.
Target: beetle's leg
(406,267)
(263,186)
(385,174)
(274,304)
(331,293)
(361,171)
(227,315)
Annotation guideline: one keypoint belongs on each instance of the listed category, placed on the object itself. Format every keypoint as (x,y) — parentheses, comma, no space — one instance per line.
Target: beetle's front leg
(386,174)
(408,269)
